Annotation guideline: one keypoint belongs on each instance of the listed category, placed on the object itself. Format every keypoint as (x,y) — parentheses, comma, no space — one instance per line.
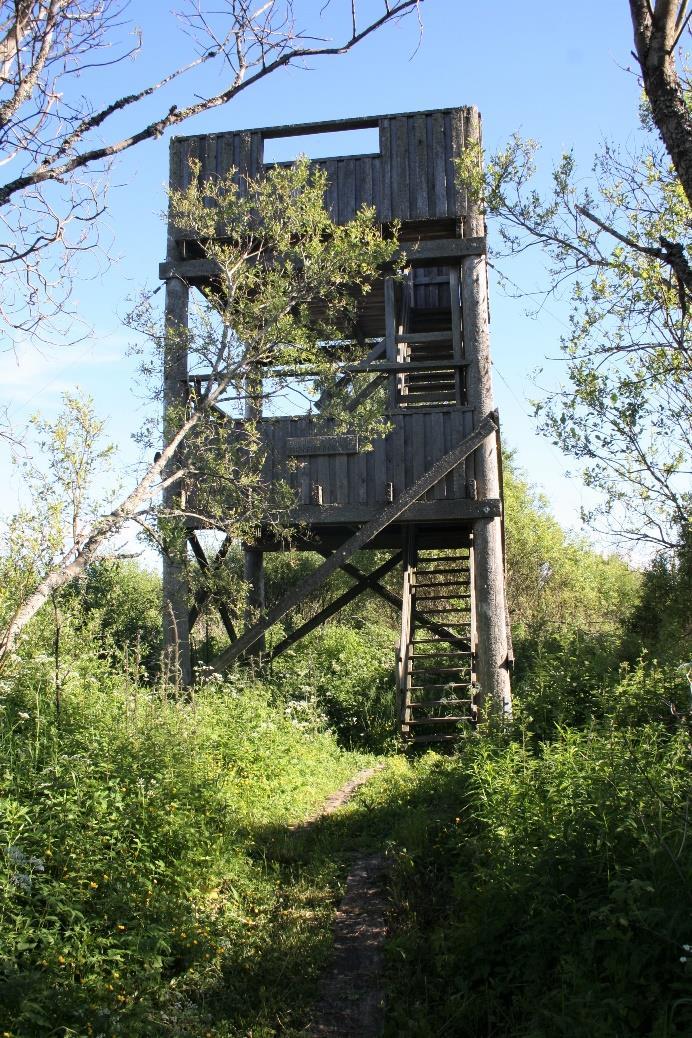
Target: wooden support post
(254,578)
(390,326)
(403,675)
(176,628)
(489,580)
(253,568)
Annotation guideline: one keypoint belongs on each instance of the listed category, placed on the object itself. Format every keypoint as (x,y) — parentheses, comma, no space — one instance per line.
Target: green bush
(348,675)
(132,901)
(555,901)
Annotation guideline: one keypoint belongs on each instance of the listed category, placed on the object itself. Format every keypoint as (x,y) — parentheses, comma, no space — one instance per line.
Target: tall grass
(134,895)
(553,894)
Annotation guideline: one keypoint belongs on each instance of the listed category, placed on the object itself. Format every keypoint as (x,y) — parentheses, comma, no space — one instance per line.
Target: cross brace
(364,535)
(204,594)
(365,581)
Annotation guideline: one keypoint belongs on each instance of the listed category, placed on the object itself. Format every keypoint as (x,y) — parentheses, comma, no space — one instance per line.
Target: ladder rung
(425,611)
(439,684)
(422,337)
(436,641)
(437,720)
(464,653)
(438,702)
(420,671)
(434,738)
(442,573)
(421,602)
(444,558)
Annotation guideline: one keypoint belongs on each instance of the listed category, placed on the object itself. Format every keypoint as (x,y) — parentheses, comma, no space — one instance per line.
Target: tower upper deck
(409,179)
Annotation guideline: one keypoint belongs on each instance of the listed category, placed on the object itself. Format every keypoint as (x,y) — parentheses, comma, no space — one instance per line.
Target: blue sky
(552,71)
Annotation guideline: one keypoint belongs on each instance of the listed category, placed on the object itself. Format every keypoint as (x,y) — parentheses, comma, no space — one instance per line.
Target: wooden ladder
(436,672)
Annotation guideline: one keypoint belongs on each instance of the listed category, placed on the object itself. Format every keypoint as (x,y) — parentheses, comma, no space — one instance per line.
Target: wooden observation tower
(429,492)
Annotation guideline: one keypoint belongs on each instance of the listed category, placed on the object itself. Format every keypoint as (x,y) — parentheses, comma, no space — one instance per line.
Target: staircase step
(434,738)
(439,684)
(426,704)
(444,574)
(437,720)
(420,672)
(425,656)
(422,600)
(435,641)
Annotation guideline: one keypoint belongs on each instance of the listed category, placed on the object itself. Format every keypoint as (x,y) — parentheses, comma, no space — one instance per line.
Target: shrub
(348,675)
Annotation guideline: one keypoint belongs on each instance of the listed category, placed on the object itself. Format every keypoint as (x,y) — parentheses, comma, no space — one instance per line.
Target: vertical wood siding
(412,447)
(411,179)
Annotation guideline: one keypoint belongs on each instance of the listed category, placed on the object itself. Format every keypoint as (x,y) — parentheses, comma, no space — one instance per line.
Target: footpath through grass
(136,894)
(151,885)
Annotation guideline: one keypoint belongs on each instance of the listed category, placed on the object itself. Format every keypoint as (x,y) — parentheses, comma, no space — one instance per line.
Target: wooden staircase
(435,669)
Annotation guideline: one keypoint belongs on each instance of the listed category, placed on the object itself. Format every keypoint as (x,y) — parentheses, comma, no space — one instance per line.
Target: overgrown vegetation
(541,874)
(136,899)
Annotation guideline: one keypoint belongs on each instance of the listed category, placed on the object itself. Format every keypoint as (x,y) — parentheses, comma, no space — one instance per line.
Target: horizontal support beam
(413,365)
(438,251)
(419,253)
(422,512)
(189,270)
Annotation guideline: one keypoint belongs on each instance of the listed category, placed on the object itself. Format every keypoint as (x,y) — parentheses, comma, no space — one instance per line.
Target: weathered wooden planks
(410,178)
(303,452)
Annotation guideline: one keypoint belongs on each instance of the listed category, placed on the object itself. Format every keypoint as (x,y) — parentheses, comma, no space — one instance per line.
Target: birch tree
(280,255)
(57,144)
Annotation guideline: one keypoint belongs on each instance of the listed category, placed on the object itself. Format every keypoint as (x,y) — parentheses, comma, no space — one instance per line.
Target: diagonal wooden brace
(203,596)
(366,533)
(365,581)
(395,600)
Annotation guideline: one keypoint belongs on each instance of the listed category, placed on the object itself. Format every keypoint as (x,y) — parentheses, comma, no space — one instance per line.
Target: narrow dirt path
(338,799)
(350,1001)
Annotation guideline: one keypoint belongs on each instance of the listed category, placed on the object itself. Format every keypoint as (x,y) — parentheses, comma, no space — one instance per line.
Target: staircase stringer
(407,631)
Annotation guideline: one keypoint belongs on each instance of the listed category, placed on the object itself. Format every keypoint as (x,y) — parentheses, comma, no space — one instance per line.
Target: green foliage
(348,676)
(663,620)
(570,609)
(132,902)
(125,602)
(620,239)
(68,454)
(557,584)
(550,895)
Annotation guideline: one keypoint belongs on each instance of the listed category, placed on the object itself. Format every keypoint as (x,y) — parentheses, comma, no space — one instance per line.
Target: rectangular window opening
(322,145)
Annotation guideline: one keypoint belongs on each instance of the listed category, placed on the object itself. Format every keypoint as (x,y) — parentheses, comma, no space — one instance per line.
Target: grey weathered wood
(424,252)
(419,149)
(442,250)
(176,621)
(358,511)
(493,648)
(438,164)
(400,172)
(253,567)
(347,201)
(303,445)
(390,330)
(386,208)
(358,540)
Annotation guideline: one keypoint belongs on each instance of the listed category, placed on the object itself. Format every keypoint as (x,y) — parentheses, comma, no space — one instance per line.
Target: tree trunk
(654,38)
